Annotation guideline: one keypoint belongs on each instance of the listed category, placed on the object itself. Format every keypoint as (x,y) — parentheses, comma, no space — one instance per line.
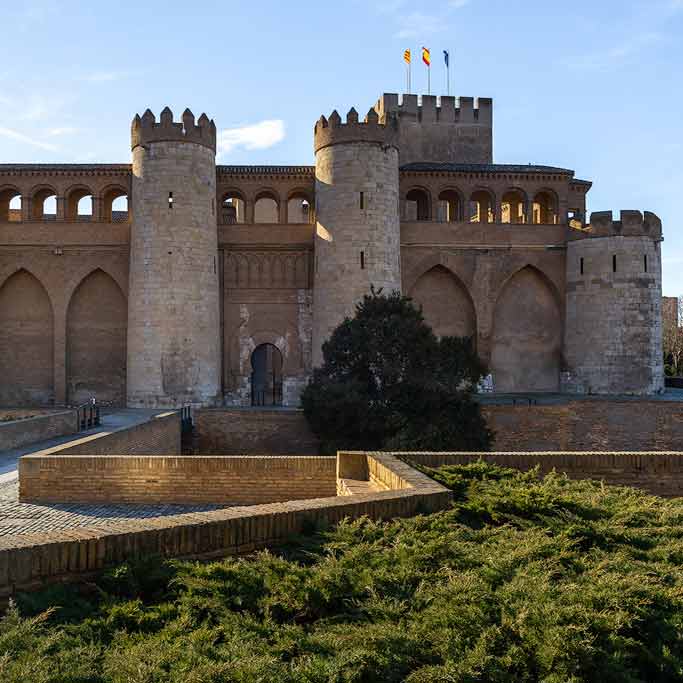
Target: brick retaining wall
(253,432)
(158,436)
(29,562)
(660,473)
(588,425)
(228,480)
(20,433)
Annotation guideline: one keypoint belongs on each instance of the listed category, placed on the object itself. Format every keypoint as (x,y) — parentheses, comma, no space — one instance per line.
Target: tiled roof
(485,168)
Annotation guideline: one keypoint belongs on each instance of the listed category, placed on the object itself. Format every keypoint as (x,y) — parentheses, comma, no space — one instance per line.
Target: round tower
(357,242)
(173,309)
(613,337)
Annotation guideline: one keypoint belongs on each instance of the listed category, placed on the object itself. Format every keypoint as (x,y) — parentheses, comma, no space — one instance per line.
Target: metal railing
(266,395)
(88,415)
(186,420)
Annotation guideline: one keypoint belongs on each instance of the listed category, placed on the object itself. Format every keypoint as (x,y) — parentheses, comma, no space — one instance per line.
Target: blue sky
(592,86)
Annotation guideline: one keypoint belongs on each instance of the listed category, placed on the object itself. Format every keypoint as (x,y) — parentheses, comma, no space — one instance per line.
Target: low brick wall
(253,432)
(30,430)
(31,561)
(227,480)
(158,436)
(588,425)
(659,473)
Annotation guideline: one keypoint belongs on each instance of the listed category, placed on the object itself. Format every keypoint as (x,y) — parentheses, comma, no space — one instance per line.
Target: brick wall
(588,425)
(253,432)
(228,480)
(158,436)
(30,561)
(22,432)
(658,473)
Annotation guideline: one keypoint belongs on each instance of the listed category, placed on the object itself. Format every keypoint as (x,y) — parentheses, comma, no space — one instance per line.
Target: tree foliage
(523,579)
(387,382)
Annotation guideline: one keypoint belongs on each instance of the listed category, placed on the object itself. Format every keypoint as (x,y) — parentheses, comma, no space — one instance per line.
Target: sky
(595,86)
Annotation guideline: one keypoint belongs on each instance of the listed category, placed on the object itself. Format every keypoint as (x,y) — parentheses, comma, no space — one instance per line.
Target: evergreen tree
(388,383)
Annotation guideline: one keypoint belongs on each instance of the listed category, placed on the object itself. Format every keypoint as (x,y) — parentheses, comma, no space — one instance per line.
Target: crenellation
(145,129)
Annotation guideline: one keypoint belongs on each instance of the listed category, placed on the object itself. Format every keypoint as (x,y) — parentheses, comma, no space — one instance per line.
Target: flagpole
(429,79)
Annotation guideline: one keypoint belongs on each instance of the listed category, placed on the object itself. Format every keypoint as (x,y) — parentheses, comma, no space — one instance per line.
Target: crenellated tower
(357,243)
(613,336)
(173,309)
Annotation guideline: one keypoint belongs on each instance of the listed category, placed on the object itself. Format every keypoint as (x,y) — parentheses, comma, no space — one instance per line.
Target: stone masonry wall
(613,339)
(175,480)
(588,425)
(253,432)
(22,432)
(358,239)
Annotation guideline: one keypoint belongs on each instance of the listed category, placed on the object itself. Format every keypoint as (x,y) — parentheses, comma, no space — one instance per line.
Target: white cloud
(20,137)
(260,135)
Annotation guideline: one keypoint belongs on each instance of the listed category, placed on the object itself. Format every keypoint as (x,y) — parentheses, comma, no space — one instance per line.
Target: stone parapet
(145,129)
(332,131)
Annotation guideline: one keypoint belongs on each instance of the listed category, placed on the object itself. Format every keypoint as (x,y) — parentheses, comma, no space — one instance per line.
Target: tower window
(645,262)
(581,265)
(170,200)
(362,260)
(362,201)
(614,263)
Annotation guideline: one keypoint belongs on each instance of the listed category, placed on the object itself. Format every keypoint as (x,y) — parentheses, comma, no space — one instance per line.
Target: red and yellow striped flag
(426,56)
(406,56)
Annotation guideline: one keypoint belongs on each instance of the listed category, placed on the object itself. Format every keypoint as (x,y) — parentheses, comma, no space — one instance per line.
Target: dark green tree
(388,383)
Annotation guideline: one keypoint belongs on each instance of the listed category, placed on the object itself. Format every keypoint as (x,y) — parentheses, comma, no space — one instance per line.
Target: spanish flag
(426,56)
(406,56)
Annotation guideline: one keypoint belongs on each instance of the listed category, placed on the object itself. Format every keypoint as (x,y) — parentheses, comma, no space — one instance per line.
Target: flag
(445,57)
(426,57)
(406,56)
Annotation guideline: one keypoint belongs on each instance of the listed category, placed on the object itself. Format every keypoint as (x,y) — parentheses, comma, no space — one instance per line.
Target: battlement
(146,129)
(630,223)
(464,110)
(331,131)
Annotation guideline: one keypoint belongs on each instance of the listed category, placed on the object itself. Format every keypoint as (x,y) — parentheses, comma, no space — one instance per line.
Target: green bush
(523,579)
(387,383)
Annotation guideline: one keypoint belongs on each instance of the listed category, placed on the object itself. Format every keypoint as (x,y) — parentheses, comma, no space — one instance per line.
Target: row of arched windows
(482,206)
(77,204)
(266,207)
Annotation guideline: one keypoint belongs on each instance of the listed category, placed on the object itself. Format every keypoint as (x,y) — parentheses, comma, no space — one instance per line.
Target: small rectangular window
(170,200)
(645,262)
(362,260)
(362,201)
(581,265)
(614,263)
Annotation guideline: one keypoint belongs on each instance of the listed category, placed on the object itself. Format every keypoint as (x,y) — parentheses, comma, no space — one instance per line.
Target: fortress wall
(253,432)
(588,425)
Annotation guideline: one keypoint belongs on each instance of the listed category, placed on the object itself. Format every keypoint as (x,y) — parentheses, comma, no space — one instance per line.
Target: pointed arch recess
(96,329)
(27,342)
(526,343)
(446,303)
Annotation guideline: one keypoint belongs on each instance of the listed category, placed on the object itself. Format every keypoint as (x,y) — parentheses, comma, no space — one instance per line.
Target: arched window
(115,206)
(232,209)
(266,209)
(417,205)
(513,207)
(79,205)
(481,207)
(545,209)
(10,205)
(44,204)
(299,209)
(450,207)
(266,376)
